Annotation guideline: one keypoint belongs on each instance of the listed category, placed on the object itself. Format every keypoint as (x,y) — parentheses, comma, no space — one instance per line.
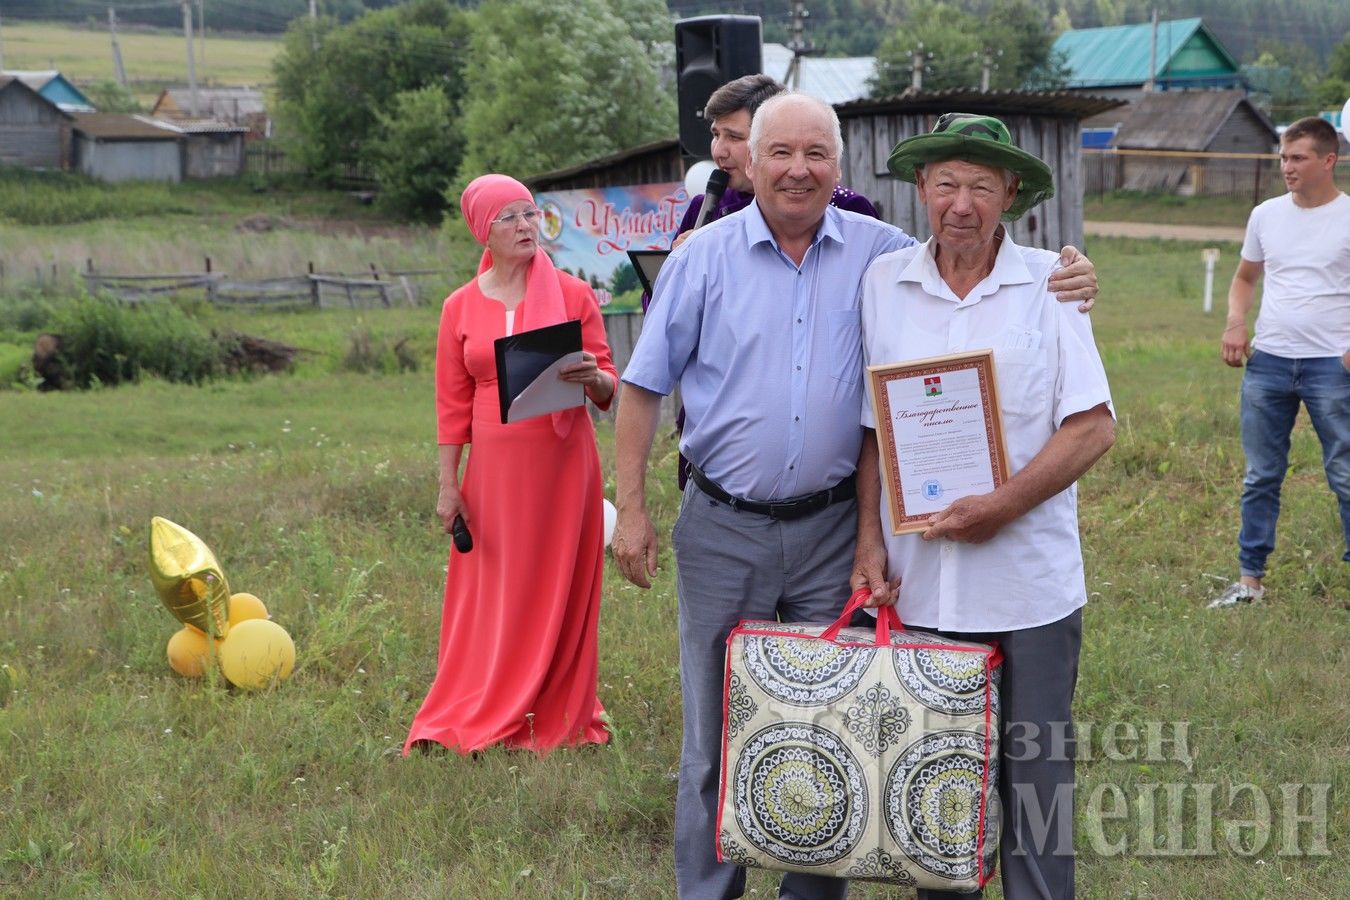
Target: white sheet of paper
(548,393)
(941,443)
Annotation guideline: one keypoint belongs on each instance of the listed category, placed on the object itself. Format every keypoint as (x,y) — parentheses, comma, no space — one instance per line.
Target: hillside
(839,27)
(152,58)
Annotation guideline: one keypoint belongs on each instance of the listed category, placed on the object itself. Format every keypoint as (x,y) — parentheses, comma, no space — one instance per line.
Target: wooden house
(1127,61)
(54,86)
(34,132)
(119,147)
(1172,124)
(243,106)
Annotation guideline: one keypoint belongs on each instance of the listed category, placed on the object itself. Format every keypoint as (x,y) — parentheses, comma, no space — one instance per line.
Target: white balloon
(696,178)
(611,516)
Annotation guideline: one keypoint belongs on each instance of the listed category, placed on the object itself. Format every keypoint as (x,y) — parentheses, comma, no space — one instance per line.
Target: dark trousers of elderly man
(1036,765)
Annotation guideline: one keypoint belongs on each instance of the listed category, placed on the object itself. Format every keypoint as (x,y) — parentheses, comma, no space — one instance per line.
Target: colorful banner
(588,233)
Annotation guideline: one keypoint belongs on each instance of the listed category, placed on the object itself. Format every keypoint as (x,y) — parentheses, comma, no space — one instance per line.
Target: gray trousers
(1040,669)
(731,566)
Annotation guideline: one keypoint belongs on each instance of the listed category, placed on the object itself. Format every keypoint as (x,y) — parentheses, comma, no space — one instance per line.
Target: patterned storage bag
(861,755)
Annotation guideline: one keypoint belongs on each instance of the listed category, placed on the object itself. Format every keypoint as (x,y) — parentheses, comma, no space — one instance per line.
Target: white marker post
(1211,256)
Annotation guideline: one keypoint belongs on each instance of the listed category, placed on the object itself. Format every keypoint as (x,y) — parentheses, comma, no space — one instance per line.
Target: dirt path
(1208,233)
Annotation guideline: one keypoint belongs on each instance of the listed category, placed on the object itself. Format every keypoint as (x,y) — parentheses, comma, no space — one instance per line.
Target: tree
(1283,81)
(1334,87)
(954,41)
(410,153)
(624,279)
(949,39)
(333,81)
(547,85)
(109,96)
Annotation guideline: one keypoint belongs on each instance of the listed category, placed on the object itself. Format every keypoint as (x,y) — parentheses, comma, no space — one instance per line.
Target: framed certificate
(939,433)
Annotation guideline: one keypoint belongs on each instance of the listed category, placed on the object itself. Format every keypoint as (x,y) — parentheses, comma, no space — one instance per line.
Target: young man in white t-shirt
(1301,352)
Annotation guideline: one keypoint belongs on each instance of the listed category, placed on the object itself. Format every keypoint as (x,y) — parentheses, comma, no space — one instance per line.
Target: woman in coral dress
(517,663)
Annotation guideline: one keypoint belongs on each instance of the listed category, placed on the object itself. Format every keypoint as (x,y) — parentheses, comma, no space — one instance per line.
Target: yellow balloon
(257,653)
(189,652)
(187,578)
(246,606)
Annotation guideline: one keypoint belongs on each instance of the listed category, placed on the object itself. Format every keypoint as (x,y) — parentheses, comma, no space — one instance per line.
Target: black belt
(791,508)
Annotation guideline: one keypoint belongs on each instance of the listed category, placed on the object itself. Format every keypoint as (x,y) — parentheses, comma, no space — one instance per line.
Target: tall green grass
(316,492)
(43,198)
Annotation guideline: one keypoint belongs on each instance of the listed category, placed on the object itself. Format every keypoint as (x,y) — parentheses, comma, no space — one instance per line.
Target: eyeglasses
(529,215)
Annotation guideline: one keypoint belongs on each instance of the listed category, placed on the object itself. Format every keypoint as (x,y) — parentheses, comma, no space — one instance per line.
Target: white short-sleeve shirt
(1305,296)
(1047,368)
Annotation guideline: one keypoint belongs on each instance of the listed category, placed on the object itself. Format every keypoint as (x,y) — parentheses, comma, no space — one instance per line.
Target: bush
(28,313)
(105,342)
(14,361)
(367,354)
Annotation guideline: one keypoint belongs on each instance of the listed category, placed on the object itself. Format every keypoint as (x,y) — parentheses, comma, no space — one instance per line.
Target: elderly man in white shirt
(1005,565)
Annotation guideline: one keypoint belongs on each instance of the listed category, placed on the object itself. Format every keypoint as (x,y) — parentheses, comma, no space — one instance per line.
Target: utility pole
(314,25)
(119,70)
(798,46)
(191,63)
(1150,85)
(916,69)
(986,69)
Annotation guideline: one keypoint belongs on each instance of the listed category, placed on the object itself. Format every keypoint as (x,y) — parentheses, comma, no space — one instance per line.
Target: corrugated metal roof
(55,87)
(1059,104)
(218,102)
(832,79)
(122,127)
(1182,120)
(1119,55)
(664,145)
(200,126)
(9,81)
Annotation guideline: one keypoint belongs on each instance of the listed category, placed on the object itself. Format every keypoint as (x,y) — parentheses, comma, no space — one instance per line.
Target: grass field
(153,59)
(119,779)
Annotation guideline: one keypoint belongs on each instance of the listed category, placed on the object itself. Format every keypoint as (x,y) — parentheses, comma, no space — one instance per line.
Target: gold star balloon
(188,579)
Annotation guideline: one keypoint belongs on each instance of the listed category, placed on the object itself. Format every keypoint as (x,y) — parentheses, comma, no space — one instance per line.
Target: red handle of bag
(887,618)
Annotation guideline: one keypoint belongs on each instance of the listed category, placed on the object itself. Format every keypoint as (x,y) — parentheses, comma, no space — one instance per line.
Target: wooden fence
(266,158)
(326,290)
(1254,176)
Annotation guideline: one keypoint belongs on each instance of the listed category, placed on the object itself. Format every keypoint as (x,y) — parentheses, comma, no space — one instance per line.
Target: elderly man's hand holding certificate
(940,434)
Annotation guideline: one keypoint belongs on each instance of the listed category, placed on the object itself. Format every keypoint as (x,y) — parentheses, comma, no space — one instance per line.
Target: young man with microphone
(729,111)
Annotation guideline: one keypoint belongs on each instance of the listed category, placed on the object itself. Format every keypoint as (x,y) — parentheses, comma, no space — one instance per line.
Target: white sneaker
(1236,595)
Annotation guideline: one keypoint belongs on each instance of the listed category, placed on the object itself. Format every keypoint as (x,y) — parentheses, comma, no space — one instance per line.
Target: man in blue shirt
(729,112)
(756,319)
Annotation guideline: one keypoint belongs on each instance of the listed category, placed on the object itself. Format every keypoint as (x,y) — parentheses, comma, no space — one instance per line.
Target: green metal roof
(1118,56)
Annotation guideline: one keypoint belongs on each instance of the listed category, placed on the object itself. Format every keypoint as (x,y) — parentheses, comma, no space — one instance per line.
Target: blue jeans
(1271,391)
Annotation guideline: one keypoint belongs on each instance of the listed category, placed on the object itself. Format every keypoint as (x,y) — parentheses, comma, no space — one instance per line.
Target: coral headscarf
(481,202)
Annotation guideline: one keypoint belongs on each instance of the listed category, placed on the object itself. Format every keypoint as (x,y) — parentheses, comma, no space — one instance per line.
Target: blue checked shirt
(768,355)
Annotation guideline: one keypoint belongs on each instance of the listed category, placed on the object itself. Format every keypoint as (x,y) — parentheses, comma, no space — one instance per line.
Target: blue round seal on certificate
(932,489)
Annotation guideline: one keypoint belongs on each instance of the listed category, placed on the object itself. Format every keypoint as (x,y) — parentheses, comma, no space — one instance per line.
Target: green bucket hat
(983,140)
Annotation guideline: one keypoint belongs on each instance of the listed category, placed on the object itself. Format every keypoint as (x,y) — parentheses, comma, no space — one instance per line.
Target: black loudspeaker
(709,52)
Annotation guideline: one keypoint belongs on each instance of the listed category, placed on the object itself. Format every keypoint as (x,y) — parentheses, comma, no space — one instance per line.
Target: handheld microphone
(717,186)
(460,532)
